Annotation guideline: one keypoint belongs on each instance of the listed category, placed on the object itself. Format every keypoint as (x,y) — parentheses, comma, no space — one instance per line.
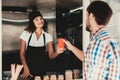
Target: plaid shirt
(102,58)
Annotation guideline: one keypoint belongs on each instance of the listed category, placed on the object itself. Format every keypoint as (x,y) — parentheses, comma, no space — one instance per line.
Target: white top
(34,42)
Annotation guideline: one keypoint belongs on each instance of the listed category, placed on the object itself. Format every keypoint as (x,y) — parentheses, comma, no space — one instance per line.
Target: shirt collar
(43,31)
(97,32)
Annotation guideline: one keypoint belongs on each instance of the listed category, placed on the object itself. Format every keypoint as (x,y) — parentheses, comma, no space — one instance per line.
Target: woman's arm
(51,52)
(26,72)
(22,52)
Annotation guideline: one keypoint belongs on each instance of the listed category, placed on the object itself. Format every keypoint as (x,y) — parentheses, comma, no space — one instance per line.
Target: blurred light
(79,8)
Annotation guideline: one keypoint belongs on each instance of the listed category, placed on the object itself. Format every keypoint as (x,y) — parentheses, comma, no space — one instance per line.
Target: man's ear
(92,15)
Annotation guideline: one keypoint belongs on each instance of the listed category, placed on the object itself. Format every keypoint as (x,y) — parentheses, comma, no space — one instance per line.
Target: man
(101,61)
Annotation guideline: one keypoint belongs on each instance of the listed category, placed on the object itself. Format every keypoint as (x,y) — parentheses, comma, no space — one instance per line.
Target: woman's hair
(101,11)
(31,27)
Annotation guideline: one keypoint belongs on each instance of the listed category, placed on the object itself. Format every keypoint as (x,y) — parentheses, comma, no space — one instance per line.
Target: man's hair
(101,10)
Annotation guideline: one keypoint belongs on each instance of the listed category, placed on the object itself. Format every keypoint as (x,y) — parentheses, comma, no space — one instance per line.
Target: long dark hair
(31,27)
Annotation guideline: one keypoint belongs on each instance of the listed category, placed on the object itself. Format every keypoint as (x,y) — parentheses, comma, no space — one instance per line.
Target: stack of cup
(37,78)
(53,77)
(76,73)
(68,75)
(60,77)
(46,77)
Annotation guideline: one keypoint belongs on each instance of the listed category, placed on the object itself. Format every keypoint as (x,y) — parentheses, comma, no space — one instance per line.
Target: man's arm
(78,53)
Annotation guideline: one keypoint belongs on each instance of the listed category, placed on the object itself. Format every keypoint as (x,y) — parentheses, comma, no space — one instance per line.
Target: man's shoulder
(107,39)
(103,36)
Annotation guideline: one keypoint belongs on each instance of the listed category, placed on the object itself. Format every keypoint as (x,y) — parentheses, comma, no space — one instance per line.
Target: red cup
(61,43)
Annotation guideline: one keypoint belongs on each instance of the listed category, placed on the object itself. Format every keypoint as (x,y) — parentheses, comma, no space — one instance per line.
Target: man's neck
(95,28)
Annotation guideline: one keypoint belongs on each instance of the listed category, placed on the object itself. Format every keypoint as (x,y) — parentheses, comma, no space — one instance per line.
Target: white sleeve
(48,38)
(25,36)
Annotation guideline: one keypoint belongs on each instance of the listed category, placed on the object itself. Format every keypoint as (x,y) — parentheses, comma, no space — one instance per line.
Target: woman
(33,46)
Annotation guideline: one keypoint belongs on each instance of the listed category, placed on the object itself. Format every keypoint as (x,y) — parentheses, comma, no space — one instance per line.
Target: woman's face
(38,22)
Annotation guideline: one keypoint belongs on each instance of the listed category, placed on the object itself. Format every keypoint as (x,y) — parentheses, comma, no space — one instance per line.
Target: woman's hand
(15,71)
(26,73)
(60,50)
